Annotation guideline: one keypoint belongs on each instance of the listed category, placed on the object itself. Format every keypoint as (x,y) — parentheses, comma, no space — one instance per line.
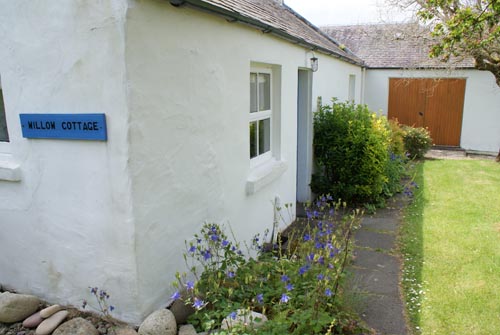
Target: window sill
(9,170)
(264,174)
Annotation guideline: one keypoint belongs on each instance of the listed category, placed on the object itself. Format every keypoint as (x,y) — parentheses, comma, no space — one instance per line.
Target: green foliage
(359,158)
(465,28)
(297,285)
(417,141)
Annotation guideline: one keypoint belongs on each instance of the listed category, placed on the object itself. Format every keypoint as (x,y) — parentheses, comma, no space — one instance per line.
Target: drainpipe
(363,84)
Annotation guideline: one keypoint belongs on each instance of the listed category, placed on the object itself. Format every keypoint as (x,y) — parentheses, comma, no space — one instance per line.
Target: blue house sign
(64,126)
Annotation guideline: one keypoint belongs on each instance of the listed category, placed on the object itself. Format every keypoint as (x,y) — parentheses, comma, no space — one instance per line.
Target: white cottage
(202,104)
(459,104)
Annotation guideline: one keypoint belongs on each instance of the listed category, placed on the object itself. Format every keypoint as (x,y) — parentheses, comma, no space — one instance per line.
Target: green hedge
(355,154)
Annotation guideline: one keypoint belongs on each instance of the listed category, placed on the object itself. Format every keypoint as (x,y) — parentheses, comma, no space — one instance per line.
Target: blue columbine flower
(285,278)
(190,285)
(176,296)
(289,287)
(198,303)
(284,298)
(328,292)
(260,298)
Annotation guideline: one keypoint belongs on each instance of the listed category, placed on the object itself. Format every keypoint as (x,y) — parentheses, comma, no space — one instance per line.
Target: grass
(450,243)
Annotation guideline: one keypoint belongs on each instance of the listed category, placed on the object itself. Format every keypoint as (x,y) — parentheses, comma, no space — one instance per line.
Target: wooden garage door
(433,103)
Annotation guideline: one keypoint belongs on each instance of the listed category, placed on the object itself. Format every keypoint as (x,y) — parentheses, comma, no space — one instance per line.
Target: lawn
(450,243)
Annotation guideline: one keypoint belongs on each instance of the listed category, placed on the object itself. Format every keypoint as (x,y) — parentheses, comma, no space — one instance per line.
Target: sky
(342,12)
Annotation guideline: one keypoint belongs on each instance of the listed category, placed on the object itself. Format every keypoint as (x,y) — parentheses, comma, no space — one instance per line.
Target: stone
(46,312)
(33,321)
(187,330)
(17,307)
(52,322)
(124,331)
(248,318)
(160,322)
(181,311)
(76,326)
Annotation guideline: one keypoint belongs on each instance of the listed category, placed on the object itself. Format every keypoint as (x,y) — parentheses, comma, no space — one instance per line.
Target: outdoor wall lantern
(314,64)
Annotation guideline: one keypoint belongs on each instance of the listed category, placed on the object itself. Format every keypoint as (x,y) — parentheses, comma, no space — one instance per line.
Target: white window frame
(262,115)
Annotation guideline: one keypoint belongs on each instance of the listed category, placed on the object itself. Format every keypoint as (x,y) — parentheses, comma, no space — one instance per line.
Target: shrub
(296,285)
(351,148)
(417,141)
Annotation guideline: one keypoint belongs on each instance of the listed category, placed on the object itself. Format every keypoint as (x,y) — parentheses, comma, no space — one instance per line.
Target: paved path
(376,271)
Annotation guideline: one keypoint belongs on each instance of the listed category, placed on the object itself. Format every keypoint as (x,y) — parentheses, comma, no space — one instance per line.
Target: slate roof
(402,45)
(271,16)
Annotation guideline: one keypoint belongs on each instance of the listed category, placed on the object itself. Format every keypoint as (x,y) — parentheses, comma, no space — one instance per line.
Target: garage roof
(402,45)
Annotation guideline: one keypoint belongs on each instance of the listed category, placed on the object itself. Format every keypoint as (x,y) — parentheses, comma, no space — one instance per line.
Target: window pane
(253,92)
(253,139)
(264,91)
(4,135)
(264,136)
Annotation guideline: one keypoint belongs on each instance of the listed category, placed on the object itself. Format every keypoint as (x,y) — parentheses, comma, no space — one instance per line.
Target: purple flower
(303,269)
(93,290)
(192,249)
(284,298)
(206,254)
(321,260)
(198,303)
(176,296)
(289,287)
(285,278)
(320,276)
(225,243)
(328,292)
(214,237)
(111,308)
(233,315)
(190,285)
(319,245)
(310,257)
(231,274)
(198,240)
(307,237)
(260,298)
(84,304)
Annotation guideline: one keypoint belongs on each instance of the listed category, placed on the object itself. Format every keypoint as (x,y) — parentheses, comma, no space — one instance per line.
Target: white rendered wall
(189,100)
(174,85)
(481,115)
(332,81)
(67,224)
